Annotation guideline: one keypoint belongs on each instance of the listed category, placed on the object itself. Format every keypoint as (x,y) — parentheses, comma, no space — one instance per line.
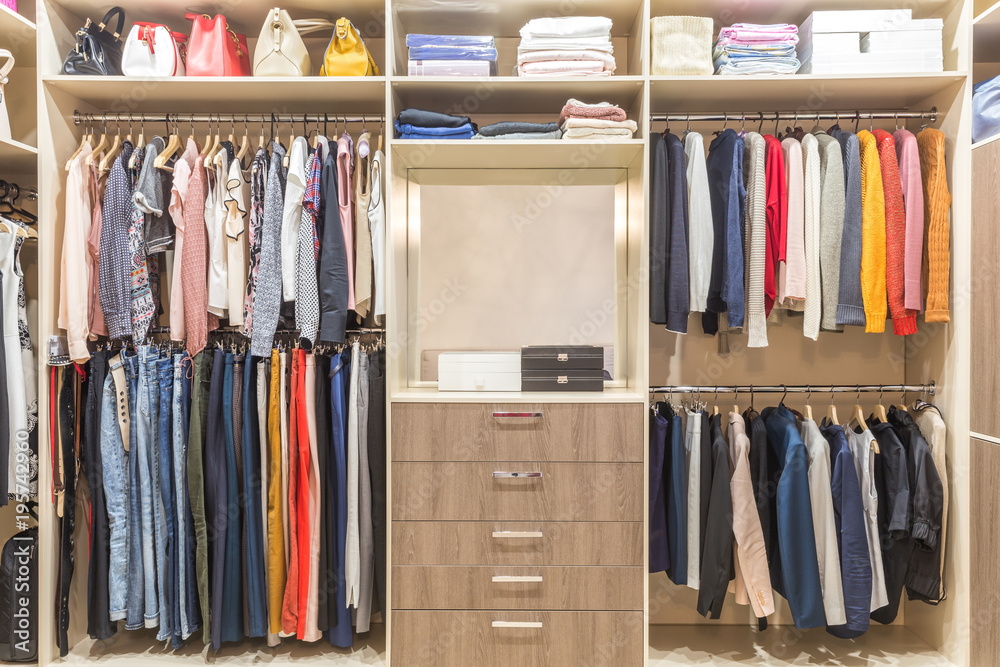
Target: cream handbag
(5,69)
(280,50)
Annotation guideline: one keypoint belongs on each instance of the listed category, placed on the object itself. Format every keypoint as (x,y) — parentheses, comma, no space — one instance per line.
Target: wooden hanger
(134,158)
(83,142)
(173,145)
(261,142)
(831,412)
(880,411)
(245,144)
(216,143)
(809,408)
(113,152)
(101,146)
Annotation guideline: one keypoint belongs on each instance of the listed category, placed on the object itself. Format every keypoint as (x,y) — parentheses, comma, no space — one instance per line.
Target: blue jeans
(145,420)
(168,611)
(183,627)
(188,554)
(136,587)
(116,492)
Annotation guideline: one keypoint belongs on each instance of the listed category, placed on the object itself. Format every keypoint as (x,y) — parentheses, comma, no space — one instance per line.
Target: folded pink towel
(752,32)
(563,68)
(578,109)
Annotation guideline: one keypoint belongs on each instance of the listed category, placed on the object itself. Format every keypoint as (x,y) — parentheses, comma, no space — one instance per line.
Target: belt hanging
(121,398)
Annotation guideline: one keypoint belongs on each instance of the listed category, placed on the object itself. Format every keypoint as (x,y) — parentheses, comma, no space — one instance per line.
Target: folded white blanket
(568,54)
(599,124)
(594,133)
(577,43)
(562,68)
(567,26)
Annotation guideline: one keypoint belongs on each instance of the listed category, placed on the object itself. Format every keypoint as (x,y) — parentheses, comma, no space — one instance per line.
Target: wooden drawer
(517,639)
(473,492)
(479,432)
(505,543)
(460,587)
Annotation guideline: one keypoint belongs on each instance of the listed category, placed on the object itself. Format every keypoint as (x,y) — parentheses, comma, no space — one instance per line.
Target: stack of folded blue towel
(420,124)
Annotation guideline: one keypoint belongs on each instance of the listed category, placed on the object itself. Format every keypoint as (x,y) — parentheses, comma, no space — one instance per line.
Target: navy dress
(659,547)
(340,631)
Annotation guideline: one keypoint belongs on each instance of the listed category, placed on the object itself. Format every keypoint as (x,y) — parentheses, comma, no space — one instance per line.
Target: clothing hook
(857,121)
(760,128)
(688,128)
(880,392)
(725,120)
(858,387)
(326,121)
(784,394)
(777,122)
(896,118)
(809,393)
(871,121)
(743,127)
(751,397)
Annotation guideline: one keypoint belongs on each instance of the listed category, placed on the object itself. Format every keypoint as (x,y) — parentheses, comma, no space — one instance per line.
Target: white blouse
(291,218)
(215,222)
(237,191)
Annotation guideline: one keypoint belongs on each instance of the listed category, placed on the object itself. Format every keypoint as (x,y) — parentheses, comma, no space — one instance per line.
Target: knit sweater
(756,215)
(904,322)
(937,203)
(578,109)
(831,224)
(872,234)
(908,156)
(777,218)
(814,290)
(850,304)
(792,274)
(701,235)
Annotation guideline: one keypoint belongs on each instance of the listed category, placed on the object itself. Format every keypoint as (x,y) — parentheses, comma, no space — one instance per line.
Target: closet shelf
(504,18)
(18,158)
(18,37)
(778,11)
(805,92)
(501,154)
(357,95)
(987,140)
(431,395)
(513,94)
(986,36)
(726,645)
(245,16)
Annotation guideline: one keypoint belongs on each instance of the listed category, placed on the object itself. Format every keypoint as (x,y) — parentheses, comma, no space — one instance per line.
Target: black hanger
(8,201)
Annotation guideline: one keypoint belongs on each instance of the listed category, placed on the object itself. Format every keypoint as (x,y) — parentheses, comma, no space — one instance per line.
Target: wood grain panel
(474,543)
(985,380)
(469,492)
(984,601)
(566,639)
(462,587)
(470,432)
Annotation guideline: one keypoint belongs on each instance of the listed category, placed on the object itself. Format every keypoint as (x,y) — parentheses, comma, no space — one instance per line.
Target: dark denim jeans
(168,612)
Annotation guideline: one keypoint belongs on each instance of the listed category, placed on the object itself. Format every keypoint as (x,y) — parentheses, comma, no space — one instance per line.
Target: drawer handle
(517,579)
(517,415)
(517,534)
(497,474)
(517,624)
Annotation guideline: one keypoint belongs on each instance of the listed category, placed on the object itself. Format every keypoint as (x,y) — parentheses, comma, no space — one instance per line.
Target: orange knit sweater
(904,321)
(937,203)
(872,235)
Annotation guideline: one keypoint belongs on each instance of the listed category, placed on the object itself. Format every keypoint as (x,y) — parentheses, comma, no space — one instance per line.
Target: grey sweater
(850,304)
(831,224)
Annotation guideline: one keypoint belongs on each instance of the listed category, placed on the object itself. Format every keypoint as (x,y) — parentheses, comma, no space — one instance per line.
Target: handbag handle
(114,11)
(305,26)
(7,66)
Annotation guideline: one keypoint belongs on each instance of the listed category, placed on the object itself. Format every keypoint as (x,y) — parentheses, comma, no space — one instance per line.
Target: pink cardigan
(913,202)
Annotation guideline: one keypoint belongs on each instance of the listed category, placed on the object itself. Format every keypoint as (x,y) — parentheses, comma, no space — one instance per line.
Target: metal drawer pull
(516,534)
(517,624)
(517,579)
(497,474)
(517,415)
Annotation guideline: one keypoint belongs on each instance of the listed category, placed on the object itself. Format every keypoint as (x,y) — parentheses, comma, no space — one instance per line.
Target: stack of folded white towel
(566,46)
(593,122)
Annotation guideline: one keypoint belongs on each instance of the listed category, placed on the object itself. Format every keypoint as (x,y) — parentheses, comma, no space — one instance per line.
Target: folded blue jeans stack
(420,124)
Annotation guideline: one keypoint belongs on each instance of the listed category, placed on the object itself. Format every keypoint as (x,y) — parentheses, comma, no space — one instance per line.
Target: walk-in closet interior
(520,524)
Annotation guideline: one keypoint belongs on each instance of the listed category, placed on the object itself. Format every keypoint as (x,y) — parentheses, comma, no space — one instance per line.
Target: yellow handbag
(347,54)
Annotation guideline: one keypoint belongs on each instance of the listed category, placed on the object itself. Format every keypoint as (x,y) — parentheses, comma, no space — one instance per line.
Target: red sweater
(904,321)
(777,217)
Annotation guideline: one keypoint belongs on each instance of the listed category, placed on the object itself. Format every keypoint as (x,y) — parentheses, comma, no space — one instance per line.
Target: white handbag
(5,69)
(153,50)
(280,50)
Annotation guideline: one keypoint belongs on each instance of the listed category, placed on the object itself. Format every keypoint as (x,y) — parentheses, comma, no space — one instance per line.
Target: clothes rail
(107,117)
(761,116)
(797,389)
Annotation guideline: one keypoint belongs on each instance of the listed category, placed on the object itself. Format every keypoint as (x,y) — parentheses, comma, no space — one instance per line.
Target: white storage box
(479,371)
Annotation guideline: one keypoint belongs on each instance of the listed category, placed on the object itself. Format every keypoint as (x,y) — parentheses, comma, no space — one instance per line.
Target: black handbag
(19,595)
(98,50)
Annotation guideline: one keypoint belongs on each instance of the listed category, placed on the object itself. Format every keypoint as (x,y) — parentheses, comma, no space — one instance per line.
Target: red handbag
(215,50)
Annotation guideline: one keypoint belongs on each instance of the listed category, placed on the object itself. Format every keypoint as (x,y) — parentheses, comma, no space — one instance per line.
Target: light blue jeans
(181,502)
(114,460)
(135,607)
(145,448)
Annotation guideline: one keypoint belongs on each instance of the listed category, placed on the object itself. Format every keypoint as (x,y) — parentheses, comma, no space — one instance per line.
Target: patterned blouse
(258,183)
(115,266)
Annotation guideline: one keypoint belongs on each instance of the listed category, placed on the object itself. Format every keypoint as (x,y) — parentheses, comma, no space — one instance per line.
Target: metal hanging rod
(797,389)
(763,116)
(221,118)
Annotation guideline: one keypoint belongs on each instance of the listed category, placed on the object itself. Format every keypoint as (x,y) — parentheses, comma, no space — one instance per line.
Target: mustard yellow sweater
(873,289)
(937,204)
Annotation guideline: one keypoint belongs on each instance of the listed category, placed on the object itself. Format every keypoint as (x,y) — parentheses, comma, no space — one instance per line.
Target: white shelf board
(986,36)
(18,158)
(17,35)
(804,92)
(245,16)
(129,648)
(781,646)
(431,395)
(987,140)
(312,94)
(513,94)
(504,18)
(726,12)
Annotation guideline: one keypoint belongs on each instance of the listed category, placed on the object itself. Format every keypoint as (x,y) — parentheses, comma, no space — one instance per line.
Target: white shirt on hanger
(291,218)
(215,223)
